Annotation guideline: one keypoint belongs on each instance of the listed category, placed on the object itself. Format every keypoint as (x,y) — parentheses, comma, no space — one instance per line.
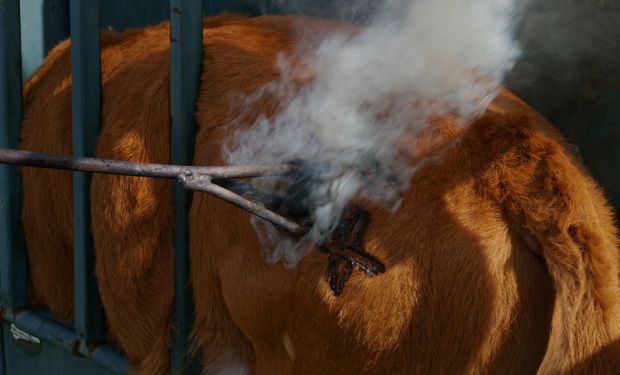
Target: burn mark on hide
(345,245)
(345,249)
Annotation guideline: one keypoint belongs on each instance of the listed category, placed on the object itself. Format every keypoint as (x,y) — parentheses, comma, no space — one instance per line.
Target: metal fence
(36,329)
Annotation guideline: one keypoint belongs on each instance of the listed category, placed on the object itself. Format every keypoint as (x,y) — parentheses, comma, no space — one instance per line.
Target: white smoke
(416,59)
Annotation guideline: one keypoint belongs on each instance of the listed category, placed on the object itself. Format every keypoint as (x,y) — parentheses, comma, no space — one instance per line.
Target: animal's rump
(502,256)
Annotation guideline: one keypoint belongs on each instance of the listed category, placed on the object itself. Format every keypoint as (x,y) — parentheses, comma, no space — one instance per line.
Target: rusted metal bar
(199,178)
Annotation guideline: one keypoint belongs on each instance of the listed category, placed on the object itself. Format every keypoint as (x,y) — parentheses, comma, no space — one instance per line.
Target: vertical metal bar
(86,113)
(13,267)
(185,67)
(3,369)
(56,25)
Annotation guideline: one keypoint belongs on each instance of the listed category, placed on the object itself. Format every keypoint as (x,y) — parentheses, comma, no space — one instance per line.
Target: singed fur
(502,258)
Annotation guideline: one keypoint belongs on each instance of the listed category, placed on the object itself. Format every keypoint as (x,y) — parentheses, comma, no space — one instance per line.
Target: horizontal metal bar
(127,168)
(110,359)
(45,329)
(64,338)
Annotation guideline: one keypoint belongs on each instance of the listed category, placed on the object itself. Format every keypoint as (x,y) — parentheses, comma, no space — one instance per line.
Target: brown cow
(503,257)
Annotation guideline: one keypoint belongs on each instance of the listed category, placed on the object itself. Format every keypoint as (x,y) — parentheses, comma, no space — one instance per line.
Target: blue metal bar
(3,369)
(110,359)
(56,25)
(13,268)
(86,114)
(63,337)
(185,67)
(46,329)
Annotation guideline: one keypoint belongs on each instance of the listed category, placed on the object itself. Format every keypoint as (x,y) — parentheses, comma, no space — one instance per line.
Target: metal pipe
(39,325)
(13,270)
(46,329)
(185,71)
(110,359)
(86,121)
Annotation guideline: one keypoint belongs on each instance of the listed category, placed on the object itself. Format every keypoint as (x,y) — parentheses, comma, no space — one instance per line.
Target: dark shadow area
(55,22)
(358,11)
(250,8)
(569,71)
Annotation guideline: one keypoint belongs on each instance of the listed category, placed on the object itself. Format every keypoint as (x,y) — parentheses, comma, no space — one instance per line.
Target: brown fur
(503,257)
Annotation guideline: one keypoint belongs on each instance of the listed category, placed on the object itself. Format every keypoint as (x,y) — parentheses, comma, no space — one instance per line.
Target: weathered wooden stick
(199,178)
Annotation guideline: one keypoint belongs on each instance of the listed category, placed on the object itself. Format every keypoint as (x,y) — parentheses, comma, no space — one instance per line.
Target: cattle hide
(502,258)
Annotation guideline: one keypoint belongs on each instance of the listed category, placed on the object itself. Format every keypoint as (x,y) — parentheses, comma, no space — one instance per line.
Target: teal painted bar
(13,266)
(3,352)
(86,118)
(185,67)
(57,352)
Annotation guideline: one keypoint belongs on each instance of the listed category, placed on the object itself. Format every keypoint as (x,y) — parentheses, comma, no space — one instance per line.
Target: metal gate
(32,341)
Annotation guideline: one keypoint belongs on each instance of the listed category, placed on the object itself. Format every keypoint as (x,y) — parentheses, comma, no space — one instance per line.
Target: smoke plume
(415,59)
